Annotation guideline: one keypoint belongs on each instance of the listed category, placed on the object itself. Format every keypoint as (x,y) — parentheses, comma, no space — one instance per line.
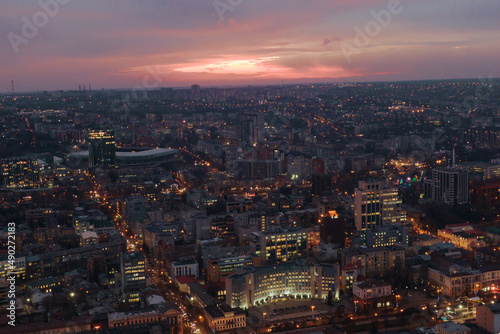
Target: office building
(251,286)
(102,148)
(220,268)
(19,173)
(281,245)
(376,204)
(133,270)
(387,235)
(448,186)
(185,266)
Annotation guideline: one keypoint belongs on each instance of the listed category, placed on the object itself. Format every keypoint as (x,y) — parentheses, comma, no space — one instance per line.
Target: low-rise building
(452,328)
(223,317)
(185,266)
(458,281)
(167,312)
(372,295)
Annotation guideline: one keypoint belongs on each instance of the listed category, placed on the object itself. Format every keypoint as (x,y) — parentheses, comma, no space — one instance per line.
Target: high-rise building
(195,92)
(298,166)
(133,270)
(375,204)
(102,148)
(18,173)
(252,127)
(448,186)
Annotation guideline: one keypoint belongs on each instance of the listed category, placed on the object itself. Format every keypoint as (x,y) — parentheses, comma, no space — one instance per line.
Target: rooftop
(452,327)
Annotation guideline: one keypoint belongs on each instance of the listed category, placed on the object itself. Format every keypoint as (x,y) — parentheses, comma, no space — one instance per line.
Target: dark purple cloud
(110,43)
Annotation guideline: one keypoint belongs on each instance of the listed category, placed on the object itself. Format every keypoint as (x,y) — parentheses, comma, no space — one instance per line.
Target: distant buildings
(256,169)
(19,173)
(251,127)
(448,186)
(376,204)
(102,148)
(137,159)
(251,286)
(298,167)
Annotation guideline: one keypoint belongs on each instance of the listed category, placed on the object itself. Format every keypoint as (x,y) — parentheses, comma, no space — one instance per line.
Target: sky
(176,43)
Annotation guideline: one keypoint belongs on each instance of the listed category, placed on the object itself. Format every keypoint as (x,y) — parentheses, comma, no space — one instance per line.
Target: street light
(312,310)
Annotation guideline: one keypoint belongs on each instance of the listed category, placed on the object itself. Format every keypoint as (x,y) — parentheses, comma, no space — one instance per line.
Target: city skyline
(224,43)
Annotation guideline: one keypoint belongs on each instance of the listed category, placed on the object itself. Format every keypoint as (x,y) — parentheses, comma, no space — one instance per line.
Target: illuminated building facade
(376,204)
(133,270)
(19,267)
(457,281)
(19,173)
(225,318)
(102,148)
(281,245)
(251,286)
(372,295)
(387,235)
(168,313)
(219,269)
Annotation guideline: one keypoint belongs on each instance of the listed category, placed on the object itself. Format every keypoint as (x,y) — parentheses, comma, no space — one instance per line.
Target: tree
(329,300)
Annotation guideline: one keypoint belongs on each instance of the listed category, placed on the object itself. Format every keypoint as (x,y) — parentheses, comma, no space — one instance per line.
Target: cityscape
(226,174)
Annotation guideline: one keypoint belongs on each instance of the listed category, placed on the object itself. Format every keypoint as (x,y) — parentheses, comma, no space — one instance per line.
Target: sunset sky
(117,43)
